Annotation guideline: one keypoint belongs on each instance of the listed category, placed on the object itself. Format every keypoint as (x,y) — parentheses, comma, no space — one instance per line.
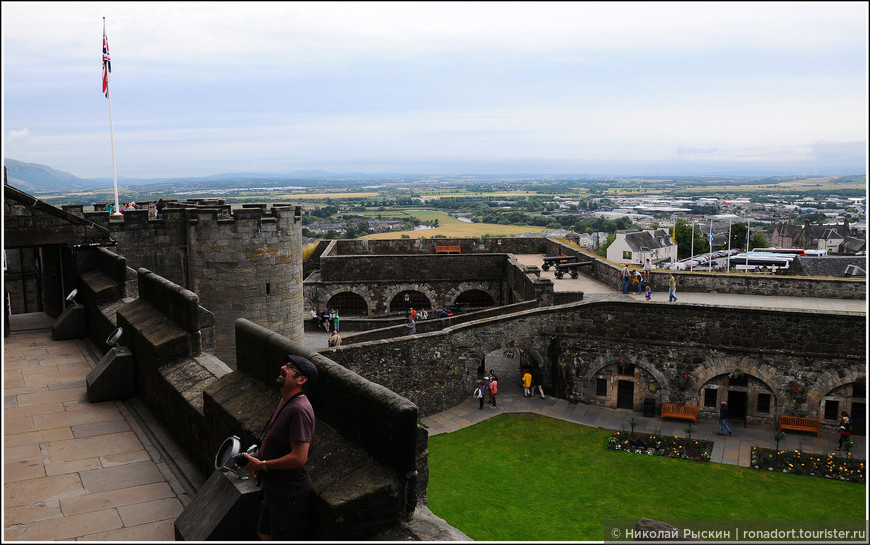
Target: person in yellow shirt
(527,383)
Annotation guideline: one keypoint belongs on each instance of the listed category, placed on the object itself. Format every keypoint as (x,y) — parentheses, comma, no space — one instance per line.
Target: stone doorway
(737,404)
(625,394)
(859,417)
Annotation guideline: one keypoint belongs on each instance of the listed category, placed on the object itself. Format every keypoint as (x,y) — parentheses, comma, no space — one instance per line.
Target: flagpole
(111,126)
(728,259)
(114,169)
(746,250)
(693,242)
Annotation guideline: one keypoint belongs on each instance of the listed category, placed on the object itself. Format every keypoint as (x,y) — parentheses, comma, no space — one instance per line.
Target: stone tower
(243,263)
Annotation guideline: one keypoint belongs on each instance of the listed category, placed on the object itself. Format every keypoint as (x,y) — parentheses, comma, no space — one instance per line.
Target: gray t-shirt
(294,423)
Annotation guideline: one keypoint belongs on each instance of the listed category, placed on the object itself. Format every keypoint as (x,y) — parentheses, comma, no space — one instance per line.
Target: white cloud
(20,134)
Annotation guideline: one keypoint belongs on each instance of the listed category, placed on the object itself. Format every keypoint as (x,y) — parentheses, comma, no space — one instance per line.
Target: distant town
(675,222)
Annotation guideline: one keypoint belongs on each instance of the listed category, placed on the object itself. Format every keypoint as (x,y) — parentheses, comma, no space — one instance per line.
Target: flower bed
(661,445)
(802,463)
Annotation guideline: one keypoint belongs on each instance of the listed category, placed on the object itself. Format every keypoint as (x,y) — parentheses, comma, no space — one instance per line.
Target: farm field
(447,226)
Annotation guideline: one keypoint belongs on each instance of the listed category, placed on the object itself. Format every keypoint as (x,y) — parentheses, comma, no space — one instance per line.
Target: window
(601,387)
(626,254)
(832,409)
(710,397)
(763,405)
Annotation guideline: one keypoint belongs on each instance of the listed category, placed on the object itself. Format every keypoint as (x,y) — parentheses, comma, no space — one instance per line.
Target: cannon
(570,268)
(555,260)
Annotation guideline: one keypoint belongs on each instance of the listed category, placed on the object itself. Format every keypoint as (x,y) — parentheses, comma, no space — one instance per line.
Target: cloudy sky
(644,88)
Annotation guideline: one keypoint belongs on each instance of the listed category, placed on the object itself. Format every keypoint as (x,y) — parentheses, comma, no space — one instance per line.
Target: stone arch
(829,380)
(715,370)
(596,368)
(420,297)
(349,303)
(475,298)
(451,297)
(609,359)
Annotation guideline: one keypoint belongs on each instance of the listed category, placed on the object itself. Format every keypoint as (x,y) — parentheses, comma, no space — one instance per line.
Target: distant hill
(36,178)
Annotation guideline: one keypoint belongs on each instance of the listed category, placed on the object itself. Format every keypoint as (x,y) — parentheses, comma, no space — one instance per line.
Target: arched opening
(749,399)
(404,301)
(471,300)
(348,304)
(622,384)
(850,397)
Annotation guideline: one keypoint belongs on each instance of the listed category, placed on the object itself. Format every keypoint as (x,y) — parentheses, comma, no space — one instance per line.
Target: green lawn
(530,477)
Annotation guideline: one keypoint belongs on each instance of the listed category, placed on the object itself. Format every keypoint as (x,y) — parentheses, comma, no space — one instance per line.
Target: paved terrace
(108,472)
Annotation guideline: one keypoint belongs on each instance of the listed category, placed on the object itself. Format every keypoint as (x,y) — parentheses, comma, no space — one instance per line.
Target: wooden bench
(686,412)
(448,249)
(799,423)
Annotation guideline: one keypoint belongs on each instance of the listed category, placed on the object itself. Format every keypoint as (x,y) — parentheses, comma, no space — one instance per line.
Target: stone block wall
(731,283)
(246,263)
(573,343)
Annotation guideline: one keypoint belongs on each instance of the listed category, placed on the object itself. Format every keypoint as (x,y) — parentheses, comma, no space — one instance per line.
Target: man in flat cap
(286,493)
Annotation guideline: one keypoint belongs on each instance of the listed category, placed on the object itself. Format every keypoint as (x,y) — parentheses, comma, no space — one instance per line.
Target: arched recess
(750,387)
(507,359)
(415,299)
(348,303)
(471,300)
(625,383)
(841,390)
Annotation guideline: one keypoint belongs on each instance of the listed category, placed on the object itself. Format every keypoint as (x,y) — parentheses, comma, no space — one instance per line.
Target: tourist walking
(639,281)
(845,429)
(325,320)
(412,326)
(723,419)
(315,318)
(672,288)
(335,340)
(536,382)
(335,319)
(480,392)
(648,292)
(626,274)
(493,389)
(527,383)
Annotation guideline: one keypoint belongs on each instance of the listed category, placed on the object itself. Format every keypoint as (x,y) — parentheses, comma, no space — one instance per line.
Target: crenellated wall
(368,449)
(247,263)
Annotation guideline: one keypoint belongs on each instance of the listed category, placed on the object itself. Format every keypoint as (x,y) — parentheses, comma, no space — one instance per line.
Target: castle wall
(248,263)
(574,343)
(731,283)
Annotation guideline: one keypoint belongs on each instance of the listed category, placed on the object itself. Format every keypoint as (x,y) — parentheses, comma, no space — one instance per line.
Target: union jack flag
(107,63)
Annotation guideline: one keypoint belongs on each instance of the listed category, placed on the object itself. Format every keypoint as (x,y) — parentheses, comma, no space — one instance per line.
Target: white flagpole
(728,259)
(747,242)
(112,136)
(693,241)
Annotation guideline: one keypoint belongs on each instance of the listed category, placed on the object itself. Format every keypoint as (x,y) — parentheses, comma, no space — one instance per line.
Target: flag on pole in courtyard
(107,62)
(746,243)
(711,235)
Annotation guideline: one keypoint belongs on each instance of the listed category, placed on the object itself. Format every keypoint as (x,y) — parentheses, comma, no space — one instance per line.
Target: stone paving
(732,449)
(74,470)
